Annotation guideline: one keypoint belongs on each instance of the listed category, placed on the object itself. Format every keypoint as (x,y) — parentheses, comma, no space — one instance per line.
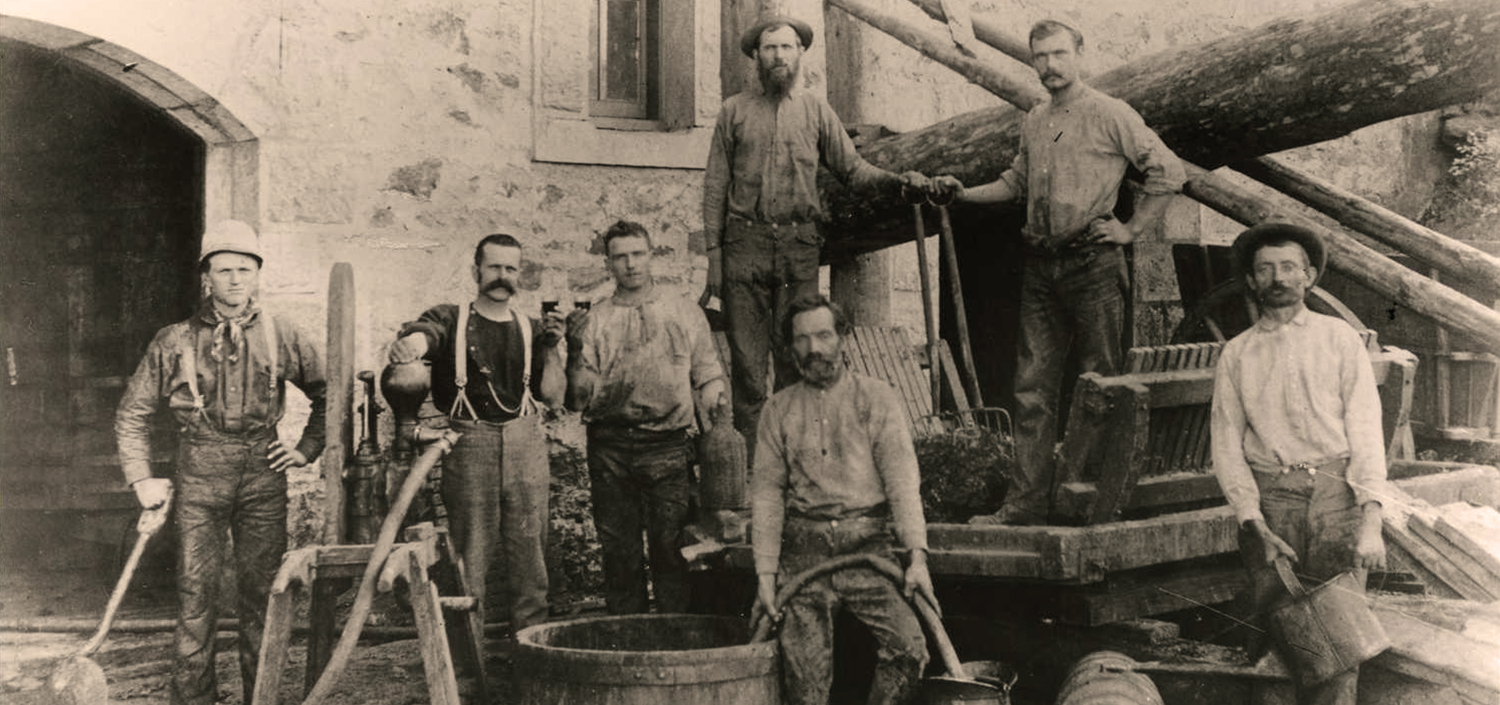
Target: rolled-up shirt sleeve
(1144,149)
(1227,430)
(844,160)
(896,462)
(1362,422)
(768,482)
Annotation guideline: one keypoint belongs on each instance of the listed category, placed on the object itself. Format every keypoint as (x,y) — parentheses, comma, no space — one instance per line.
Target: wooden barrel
(1107,678)
(645,660)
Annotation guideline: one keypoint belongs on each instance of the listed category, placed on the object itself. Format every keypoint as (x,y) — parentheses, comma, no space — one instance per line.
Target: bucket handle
(1289,578)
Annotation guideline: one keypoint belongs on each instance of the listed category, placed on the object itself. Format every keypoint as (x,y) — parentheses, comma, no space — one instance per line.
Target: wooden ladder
(326,570)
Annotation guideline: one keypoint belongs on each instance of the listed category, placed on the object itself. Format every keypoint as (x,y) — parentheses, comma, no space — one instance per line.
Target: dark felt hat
(750,41)
(1246,245)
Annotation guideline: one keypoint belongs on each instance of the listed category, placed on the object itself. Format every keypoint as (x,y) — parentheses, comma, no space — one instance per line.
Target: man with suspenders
(490,365)
(220,373)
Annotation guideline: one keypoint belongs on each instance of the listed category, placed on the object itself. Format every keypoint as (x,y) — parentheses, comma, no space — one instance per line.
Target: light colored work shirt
(1302,392)
(648,359)
(1072,158)
(832,454)
(764,156)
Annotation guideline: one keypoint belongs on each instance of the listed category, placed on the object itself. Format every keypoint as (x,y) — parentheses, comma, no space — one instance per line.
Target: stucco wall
(392,134)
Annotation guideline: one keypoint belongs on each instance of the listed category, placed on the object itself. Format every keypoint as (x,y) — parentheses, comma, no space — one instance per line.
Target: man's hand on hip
(152,492)
(282,457)
(1110,231)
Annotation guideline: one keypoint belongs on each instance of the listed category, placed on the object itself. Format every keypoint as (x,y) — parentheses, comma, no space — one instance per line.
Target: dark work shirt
(495,359)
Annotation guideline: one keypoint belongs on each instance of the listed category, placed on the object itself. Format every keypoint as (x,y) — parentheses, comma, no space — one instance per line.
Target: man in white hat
(761,208)
(220,373)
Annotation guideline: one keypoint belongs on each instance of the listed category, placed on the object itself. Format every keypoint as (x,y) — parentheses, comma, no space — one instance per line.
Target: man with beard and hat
(1297,441)
(1074,150)
(761,208)
(490,365)
(835,475)
(639,365)
(222,374)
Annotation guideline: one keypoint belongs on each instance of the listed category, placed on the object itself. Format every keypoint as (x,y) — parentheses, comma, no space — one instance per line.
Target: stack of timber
(1468,666)
(1455,545)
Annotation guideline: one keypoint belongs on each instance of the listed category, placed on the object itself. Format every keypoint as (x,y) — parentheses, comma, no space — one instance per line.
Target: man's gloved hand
(152,492)
(553,327)
(407,349)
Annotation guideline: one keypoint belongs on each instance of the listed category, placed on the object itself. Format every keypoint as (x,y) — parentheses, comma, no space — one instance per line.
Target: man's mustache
(499,284)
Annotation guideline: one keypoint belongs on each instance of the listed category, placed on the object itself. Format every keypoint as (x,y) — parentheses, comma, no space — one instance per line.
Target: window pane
(622,67)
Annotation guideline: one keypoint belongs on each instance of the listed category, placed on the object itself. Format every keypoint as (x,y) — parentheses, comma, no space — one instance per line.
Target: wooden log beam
(1352,258)
(1286,84)
(1015,83)
(1347,255)
(1449,256)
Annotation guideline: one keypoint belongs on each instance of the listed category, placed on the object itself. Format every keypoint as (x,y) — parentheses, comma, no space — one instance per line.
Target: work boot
(1011,515)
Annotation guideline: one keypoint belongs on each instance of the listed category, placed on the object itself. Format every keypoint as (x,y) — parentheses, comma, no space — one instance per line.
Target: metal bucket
(988,683)
(645,660)
(1327,630)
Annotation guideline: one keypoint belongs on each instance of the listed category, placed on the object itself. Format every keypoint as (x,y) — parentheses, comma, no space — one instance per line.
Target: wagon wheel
(340,423)
(1227,310)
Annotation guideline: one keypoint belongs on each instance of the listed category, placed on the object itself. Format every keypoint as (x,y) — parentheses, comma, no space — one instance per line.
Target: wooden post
(862,287)
(338,422)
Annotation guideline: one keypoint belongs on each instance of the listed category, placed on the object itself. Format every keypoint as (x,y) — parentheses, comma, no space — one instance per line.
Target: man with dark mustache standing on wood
(762,213)
(1073,154)
(488,371)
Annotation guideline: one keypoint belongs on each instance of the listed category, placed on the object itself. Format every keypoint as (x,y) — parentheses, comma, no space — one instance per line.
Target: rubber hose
(922,604)
(383,545)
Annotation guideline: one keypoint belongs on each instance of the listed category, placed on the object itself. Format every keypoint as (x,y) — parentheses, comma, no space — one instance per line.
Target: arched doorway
(107,175)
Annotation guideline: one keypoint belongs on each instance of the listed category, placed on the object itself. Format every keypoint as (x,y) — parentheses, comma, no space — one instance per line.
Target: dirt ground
(138,665)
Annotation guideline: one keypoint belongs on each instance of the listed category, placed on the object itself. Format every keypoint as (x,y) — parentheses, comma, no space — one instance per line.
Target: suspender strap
(461,368)
(273,355)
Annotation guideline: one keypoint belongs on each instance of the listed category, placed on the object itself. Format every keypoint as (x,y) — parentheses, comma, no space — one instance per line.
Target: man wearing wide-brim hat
(762,212)
(222,373)
(1297,441)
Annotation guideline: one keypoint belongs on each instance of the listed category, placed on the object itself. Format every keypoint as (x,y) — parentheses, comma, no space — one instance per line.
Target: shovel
(77,680)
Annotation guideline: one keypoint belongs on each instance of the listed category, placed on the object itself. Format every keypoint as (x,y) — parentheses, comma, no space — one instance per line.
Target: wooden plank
(900,378)
(1183,589)
(1088,416)
(274,644)
(1423,525)
(894,348)
(432,637)
(1438,655)
(1475,530)
(1129,428)
(1397,529)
